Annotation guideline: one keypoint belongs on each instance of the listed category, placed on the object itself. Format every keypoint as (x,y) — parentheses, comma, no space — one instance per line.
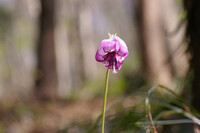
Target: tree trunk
(76,54)
(193,32)
(47,80)
(153,44)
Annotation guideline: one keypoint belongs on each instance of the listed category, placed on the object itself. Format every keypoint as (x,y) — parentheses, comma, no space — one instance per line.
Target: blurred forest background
(50,81)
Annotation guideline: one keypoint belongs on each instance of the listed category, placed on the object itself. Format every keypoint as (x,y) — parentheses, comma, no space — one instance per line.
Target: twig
(166,122)
(148,109)
(196,127)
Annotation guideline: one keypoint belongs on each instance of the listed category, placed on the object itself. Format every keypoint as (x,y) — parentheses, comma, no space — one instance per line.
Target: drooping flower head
(112,52)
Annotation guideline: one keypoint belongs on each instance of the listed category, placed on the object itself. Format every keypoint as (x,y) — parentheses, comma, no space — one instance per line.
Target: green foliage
(116,87)
(126,120)
(167,108)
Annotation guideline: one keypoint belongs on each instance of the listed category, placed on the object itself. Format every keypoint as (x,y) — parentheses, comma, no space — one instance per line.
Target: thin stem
(104,101)
(148,108)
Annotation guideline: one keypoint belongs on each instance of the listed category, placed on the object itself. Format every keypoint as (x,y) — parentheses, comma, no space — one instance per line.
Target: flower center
(112,61)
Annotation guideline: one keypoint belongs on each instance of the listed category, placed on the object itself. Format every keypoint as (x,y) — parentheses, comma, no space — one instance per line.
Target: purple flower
(112,52)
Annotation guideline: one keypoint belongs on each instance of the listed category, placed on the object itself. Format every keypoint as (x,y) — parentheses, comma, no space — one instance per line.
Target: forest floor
(32,116)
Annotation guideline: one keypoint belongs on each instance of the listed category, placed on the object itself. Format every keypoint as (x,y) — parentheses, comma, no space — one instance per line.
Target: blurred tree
(75,43)
(47,80)
(193,33)
(154,50)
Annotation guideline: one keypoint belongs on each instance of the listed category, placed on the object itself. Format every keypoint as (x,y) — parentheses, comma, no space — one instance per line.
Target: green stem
(104,101)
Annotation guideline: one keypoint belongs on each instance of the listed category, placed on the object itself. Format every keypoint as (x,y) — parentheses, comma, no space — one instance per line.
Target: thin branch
(148,109)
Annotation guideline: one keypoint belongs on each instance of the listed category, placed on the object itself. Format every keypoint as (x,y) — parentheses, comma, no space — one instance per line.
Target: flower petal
(106,63)
(99,57)
(123,49)
(118,66)
(110,67)
(120,59)
(100,51)
(109,46)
